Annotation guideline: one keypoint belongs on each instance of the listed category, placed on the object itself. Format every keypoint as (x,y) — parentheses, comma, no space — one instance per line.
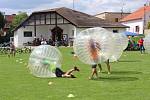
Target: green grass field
(130,80)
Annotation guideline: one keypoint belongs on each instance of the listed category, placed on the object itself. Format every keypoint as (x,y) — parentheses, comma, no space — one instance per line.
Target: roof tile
(139,14)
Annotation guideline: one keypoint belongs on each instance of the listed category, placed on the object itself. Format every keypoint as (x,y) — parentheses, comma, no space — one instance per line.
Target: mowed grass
(130,80)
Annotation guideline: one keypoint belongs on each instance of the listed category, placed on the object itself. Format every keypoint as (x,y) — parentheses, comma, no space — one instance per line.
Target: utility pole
(122,8)
(144,22)
(73,5)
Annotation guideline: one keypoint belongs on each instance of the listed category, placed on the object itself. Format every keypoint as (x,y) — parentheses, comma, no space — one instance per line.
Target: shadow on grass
(129,61)
(123,72)
(114,78)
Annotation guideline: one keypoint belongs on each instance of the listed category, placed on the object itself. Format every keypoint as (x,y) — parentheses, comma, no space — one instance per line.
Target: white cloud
(87,6)
(98,6)
(59,3)
(9,11)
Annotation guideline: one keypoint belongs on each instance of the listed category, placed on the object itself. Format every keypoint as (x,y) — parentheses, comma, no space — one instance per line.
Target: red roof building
(138,20)
(139,14)
(9,19)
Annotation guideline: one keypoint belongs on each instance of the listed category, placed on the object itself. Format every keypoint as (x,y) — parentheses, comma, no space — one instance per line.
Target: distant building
(112,16)
(9,19)
(59,24)
(137,21)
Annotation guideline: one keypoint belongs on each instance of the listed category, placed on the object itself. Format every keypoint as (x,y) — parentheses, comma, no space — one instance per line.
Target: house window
(27,33)
(11,39)
(116,20)
(115,31)
(72,32)
(137,28)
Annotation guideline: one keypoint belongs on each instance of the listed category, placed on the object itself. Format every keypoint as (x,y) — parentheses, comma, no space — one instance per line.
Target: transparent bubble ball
(118,47)
(122,38)
(93,45)
(43,61)
(147,43)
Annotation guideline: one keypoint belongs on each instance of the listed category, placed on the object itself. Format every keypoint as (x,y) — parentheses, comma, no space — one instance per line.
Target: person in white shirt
(43,42)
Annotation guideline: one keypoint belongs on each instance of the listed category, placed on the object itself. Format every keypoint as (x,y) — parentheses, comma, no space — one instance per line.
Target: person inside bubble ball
(108,66)
(95,50)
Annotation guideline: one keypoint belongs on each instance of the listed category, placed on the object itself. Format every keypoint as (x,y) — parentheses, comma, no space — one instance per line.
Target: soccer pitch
(129,80)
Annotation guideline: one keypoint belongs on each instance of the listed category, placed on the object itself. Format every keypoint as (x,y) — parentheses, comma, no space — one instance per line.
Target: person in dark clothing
(12,50)
(141,46)
(67,74)
(58,72)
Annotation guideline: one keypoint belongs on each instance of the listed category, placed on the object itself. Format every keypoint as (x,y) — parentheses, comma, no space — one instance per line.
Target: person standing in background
(12,50)
(141,45)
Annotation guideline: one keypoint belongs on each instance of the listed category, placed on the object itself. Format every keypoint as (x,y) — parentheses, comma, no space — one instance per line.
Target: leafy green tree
(20,17)
(148,25)
(2,23)
(2,20)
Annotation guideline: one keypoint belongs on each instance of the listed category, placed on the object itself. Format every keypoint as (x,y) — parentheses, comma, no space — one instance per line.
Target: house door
(57,34)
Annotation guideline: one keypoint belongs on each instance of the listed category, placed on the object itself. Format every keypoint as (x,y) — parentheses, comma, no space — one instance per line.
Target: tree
(20,17)
(148,25)
(2,23)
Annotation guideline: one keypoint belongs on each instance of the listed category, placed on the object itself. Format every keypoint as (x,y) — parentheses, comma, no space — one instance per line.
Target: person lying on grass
(67,74)
(58,72)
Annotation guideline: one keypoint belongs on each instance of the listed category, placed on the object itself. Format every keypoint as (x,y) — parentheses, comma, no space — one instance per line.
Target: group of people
(132,45)
(69,73)
(38,41)
(94,49)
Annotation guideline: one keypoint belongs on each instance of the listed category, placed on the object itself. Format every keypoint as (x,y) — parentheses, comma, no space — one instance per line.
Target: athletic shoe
(76,68)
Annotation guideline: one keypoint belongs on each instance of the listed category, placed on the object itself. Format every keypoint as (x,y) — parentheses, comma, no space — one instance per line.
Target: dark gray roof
(80,19)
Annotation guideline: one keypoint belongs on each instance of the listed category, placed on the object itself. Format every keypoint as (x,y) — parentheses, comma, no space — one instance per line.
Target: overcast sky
(88,6)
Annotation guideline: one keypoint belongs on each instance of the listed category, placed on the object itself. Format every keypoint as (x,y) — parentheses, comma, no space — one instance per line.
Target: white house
(58,24)
(137,21)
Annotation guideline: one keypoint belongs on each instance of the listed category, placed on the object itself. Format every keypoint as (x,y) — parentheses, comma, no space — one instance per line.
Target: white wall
(16,38)
(120,30)
(19,38)
(147,18)
(44,30)
(133,24)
